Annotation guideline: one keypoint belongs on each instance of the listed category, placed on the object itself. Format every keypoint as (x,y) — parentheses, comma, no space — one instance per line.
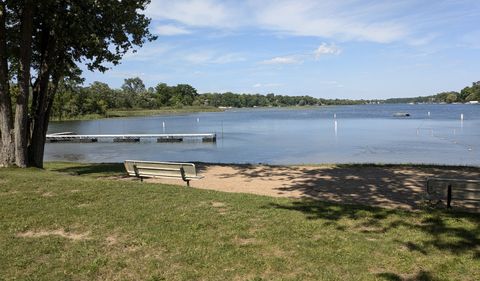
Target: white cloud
(342,20)
(470,40)
(267,85)
(331,83)
(199,13)
(170,29)
(406,21)
(326,49)
(147,52)
(422,40)
(210,57)
(282,60)
(198,58)
(228,58)
(345,20)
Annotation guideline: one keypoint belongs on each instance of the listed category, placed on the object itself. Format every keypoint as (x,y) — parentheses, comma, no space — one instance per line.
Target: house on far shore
(473,102)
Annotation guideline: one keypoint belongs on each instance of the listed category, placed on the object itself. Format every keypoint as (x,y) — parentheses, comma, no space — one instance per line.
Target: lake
(432,134)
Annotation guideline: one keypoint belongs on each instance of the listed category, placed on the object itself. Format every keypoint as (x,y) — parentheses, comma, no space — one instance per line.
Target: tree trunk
(21,110)
(39,104)
(37,142)
(7,148)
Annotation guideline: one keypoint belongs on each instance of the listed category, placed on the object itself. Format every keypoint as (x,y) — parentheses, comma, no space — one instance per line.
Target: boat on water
(401,114)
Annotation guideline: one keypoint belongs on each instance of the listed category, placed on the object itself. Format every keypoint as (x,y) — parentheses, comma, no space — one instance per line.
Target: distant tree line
(467,94)
(73,100)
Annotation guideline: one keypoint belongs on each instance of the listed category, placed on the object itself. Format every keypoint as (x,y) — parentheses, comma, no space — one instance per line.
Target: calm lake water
(359,134)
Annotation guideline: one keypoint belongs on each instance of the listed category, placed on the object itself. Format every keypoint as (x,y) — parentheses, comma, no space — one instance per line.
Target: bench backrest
(161,169)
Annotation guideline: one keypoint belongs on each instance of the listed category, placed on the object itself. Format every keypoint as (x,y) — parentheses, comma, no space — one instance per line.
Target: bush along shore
(132,112)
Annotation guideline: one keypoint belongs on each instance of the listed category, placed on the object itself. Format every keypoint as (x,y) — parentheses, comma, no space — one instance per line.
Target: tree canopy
(467,94)
(42,43)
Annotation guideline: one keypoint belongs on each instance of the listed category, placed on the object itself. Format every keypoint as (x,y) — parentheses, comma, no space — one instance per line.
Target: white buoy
(198,120)
(461,116)
(336,130)
(334,116)
(429,114)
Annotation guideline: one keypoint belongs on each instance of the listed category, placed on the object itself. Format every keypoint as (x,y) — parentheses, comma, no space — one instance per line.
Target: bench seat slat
(157,168)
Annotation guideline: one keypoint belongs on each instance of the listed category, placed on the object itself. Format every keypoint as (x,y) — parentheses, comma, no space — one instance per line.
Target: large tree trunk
(37,141)
(21,110)
(39,104)
(7,148)
(41,121)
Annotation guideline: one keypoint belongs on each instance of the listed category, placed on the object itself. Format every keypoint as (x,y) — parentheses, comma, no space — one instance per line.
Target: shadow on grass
(421,276)
(101,169)
(443,230)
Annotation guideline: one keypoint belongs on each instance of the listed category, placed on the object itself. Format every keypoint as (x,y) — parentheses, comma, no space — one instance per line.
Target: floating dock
(160,138)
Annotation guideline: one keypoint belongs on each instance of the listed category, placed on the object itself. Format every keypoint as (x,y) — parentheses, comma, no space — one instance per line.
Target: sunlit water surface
(358,134)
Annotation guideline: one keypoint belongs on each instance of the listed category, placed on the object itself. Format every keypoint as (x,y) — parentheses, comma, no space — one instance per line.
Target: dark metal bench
(465,190)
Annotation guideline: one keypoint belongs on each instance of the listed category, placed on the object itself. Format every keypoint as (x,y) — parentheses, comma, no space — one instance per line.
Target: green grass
(142,112)
(161,111)
(138,231)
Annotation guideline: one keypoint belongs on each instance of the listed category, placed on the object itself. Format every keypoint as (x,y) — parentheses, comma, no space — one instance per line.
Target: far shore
(121,113)
(139,112)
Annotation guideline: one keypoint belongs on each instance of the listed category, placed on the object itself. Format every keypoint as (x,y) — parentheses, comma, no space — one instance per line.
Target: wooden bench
(465,192)
(170,170)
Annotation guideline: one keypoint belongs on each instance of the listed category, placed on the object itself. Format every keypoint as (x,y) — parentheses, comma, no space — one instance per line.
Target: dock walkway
(161,138)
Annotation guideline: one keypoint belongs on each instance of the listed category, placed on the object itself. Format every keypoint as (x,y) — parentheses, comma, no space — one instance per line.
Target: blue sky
(331,49)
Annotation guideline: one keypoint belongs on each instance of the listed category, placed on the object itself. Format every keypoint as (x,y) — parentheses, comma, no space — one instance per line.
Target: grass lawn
(69,223)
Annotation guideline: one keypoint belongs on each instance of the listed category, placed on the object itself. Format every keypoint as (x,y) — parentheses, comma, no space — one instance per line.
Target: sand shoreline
(390,186)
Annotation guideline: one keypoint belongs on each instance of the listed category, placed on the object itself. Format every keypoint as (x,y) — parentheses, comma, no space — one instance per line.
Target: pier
(160,138)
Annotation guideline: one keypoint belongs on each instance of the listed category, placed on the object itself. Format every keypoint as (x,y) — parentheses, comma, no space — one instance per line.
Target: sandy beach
(395,186)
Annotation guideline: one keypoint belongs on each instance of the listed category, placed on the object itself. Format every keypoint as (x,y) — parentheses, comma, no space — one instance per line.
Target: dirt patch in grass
(10,192)
(112,240)
(57,232)
(48,194)
(218,204)
(245,241)
(84,205)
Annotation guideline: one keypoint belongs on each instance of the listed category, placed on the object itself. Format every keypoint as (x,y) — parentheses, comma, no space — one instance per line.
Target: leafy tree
(451,97)
(163,94)
(50,38)
(184,94)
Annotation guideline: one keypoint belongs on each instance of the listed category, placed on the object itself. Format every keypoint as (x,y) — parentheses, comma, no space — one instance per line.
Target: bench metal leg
(449,196)
(188,183)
